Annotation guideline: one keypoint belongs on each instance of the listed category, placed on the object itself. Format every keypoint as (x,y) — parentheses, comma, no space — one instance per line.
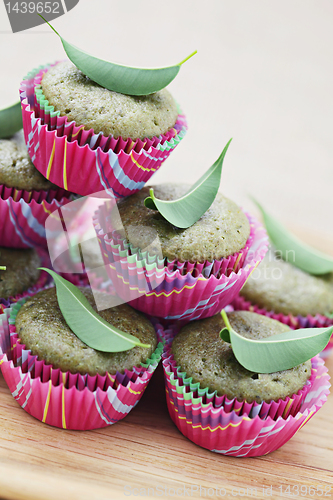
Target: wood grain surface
(146,456)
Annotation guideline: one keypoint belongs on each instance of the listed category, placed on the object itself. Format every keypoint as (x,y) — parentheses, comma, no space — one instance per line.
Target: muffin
(282,291)
(118,141)
(42,329)
(86,103)
(199,351)
(26,197)
(82,389)
(21,274)
(16,168)
(221,406)
(222,231)
(177,273)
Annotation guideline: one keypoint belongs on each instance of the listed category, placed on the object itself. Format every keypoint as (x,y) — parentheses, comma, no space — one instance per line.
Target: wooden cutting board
(145,454)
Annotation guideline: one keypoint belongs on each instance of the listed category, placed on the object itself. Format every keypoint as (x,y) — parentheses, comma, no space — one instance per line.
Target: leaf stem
(49,25)
(188,57)
(225,319)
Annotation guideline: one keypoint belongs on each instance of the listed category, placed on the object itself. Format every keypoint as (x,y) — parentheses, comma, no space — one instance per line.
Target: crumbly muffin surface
(21,270)
(43,329)
(87,103)
(203,355)
(16,168)
(220,232)
(279,286)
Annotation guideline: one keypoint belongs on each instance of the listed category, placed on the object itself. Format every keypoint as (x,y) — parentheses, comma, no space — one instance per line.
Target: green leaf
(91,328)
(119,78)
(188,209)
(293,249)
(278,352)
(10,120)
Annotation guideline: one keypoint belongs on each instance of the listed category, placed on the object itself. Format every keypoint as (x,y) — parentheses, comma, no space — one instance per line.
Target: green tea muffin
(42,328)
(220,232)
(279,286)
(16,168)
(87,103)
(21,271)
(203,355)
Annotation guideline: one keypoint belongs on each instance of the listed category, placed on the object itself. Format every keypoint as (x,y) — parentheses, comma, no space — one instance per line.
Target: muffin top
(43,329)
(279,286)
(87,103)
(21,271)
(203,355)
(16,168)
(220,232)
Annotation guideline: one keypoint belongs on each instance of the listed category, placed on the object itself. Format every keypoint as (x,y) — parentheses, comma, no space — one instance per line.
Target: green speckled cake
(21,271)
(281,287)
(42,328)
(200,352)
(222,231)
(87,103)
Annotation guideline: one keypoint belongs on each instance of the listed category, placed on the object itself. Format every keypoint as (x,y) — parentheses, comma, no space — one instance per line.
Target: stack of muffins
(86,139)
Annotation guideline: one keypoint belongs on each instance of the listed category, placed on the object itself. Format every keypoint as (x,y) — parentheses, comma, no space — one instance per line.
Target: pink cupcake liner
(43,280)
(23,215)
(175,290)
(68,155)
(294,322)
(235,428)
(63,399)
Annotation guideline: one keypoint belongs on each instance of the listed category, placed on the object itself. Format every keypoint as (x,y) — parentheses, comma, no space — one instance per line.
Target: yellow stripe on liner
(45,209)
(134,392)
(77,133)
(237,261)
(64,171)
(47,403)
(290,402)
(63,401)
(50,161)
(140,166)
(199,426)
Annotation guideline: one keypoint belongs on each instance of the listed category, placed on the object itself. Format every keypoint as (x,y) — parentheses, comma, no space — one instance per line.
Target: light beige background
(262,75)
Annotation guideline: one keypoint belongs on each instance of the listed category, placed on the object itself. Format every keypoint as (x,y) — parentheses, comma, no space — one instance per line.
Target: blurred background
(263,76)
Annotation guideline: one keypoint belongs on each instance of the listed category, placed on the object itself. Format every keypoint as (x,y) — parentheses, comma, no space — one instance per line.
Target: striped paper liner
(294,322)
(64,399)
(23,215)
(68,155)
(236,428)
(177,290)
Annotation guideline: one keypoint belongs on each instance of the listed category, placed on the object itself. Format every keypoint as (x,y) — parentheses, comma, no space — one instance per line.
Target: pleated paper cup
(23,215)
(237,428)
(63,399)
(294,322)
(178,290)
(68,155)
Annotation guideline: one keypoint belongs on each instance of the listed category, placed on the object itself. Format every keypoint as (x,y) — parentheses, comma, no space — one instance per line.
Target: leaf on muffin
(278,352)
(188,209)
(120,78)
(293,250)
(10,120)
(87,325)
